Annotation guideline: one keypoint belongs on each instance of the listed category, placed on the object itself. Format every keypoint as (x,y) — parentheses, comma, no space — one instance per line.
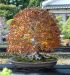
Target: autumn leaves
(33,30)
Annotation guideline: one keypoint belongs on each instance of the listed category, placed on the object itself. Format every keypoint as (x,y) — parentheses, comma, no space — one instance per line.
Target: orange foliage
(33,30)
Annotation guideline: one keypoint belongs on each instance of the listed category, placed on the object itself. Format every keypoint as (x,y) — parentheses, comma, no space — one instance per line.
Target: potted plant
(33,32)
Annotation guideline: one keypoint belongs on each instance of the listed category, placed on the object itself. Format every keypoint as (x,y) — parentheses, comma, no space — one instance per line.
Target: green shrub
(6,71)
(59,19)
(8,11)
(66,29)
(7,7)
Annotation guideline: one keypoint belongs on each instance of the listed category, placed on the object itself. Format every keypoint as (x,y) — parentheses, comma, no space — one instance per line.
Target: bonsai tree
(33,30)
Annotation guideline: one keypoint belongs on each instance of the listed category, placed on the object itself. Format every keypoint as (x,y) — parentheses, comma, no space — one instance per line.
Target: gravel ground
(63,61)
(3,61)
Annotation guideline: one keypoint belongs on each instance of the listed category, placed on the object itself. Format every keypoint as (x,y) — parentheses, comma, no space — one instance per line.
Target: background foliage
(7,11)
(60,23)
(66,29)
(8,8)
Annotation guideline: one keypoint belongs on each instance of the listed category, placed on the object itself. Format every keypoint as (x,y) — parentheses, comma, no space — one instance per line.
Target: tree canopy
(32,30)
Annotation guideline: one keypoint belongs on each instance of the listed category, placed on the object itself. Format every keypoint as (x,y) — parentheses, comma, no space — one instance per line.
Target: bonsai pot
(34,65)
(36,62)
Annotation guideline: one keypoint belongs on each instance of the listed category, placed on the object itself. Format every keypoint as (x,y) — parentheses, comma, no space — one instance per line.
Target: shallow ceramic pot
(50,64)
